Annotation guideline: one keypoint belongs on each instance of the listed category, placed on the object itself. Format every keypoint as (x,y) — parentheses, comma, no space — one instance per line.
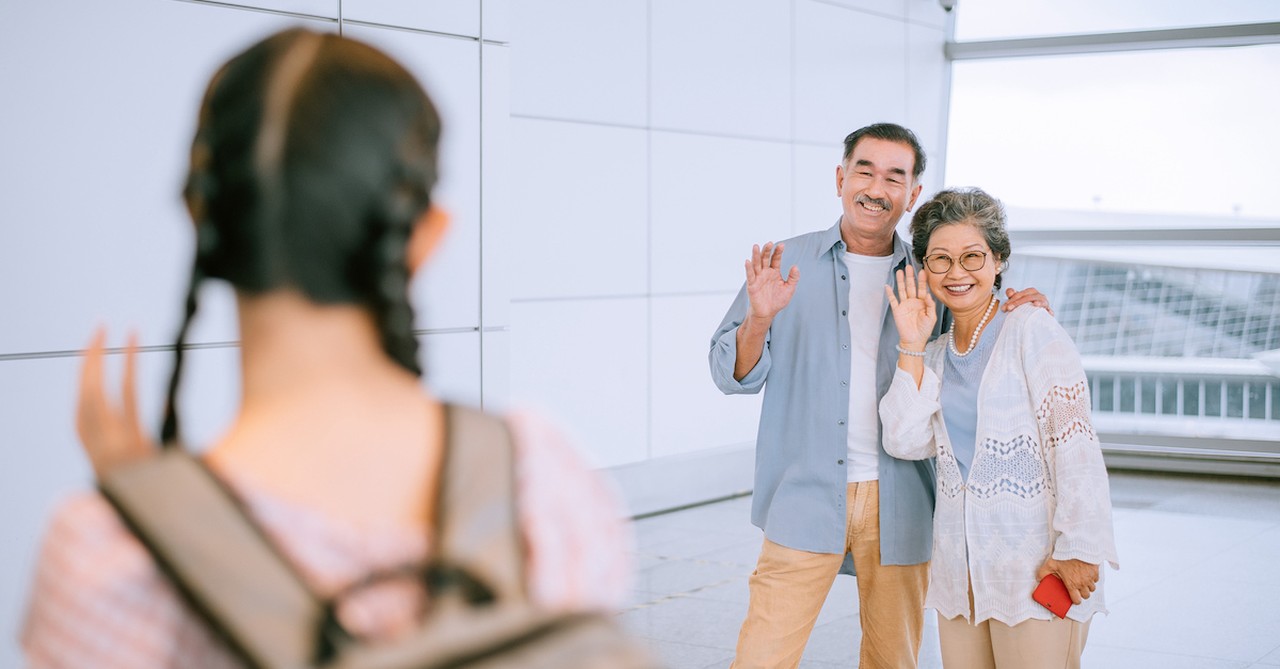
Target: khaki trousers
(1031,644)
(789,587)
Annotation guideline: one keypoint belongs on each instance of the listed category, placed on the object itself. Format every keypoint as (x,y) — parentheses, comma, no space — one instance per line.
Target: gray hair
(963,205)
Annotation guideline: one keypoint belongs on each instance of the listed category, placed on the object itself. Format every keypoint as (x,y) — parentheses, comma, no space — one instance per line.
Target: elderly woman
(1002,402)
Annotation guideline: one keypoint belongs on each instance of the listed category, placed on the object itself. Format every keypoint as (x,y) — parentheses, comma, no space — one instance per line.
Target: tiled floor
(1199,585)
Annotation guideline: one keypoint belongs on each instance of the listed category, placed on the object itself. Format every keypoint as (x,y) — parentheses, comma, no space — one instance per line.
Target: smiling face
(963,291)
(876,188)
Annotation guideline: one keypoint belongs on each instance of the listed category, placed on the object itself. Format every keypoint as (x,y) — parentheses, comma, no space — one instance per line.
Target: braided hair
(314,157)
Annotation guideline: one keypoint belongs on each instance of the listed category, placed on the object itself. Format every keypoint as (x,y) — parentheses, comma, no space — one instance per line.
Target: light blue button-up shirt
(804,369)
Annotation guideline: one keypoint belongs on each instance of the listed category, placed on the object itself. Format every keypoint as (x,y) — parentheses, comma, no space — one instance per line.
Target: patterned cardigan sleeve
(907,415)
(1082,526)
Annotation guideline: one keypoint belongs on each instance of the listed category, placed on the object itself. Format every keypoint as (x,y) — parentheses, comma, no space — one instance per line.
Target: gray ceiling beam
(1245,236)
(1246,34)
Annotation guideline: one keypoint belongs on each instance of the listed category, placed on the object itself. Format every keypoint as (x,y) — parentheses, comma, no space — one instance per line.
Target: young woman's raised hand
(110,435)
(914,310)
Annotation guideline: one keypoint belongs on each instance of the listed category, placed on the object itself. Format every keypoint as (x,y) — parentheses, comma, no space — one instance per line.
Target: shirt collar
(832,241)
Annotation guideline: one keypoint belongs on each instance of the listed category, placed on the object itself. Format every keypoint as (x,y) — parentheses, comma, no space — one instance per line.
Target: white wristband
(903,351)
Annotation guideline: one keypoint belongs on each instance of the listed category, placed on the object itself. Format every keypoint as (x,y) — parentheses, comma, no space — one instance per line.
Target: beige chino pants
(789,587)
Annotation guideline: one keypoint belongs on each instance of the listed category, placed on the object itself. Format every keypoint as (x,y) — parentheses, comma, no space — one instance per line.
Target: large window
(1141,173)
(1189,131)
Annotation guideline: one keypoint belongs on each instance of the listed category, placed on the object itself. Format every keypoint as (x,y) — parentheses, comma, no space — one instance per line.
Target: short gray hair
(962,205)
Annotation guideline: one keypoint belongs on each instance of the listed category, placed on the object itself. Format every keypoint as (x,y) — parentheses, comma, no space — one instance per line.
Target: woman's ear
(425,237)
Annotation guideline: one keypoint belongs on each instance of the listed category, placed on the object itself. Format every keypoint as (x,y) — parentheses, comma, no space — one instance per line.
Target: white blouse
(1037,486)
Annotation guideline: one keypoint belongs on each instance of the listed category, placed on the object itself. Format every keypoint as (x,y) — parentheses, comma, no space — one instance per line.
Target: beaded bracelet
(903,351)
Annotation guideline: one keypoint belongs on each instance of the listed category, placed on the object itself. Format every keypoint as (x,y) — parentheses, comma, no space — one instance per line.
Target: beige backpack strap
(477,526)
(218,558)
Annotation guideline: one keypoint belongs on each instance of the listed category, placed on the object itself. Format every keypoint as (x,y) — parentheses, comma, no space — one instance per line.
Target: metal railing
(1172,355)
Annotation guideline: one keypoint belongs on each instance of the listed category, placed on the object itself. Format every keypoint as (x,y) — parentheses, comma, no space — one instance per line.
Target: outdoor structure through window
(1136,150)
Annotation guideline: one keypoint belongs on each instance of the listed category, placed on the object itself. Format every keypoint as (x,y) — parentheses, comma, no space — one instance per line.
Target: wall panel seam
(648,213)
(169,348)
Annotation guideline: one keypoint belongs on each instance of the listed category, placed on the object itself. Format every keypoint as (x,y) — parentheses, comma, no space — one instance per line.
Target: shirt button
(839,462)
(844,383)
(844,313)
(845,347)
(840,422)
(842,277)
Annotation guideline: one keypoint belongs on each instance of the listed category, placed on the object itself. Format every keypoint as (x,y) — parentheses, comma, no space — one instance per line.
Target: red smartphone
(1052,594)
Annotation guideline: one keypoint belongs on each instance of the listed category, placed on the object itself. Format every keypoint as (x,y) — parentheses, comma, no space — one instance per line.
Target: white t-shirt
(867,276)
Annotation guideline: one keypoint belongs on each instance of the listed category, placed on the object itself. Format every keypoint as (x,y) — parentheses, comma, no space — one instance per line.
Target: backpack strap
(229,572)
(477,528)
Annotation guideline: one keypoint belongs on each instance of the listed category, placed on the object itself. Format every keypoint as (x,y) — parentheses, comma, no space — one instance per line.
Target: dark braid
(386,261)
(198,192)
(390,300)
(169,433)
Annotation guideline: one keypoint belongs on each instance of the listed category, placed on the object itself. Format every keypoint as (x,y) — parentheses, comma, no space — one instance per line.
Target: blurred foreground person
(1002,402)
(310,190)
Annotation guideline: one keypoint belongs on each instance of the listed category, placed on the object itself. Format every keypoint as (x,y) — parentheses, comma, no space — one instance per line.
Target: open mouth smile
(873,205)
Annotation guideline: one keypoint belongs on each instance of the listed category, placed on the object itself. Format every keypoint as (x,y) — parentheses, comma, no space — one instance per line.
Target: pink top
(99,601)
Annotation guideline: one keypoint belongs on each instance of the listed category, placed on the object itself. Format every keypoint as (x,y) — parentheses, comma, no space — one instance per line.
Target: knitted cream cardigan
(1037,485)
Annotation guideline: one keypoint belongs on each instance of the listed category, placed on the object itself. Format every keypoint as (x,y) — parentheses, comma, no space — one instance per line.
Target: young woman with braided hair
(310,189)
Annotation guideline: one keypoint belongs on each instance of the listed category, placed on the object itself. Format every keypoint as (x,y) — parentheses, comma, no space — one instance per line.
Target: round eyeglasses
(940,263)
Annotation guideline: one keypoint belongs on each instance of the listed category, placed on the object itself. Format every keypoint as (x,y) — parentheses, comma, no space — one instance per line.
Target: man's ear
(839,180)
(425,237)
(915,195)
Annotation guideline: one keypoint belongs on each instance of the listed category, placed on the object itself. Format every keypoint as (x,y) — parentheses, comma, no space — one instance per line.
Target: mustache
(883,204)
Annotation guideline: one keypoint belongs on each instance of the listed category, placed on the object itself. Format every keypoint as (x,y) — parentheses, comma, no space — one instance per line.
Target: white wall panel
(816,205)
(689,412)
(323,8)
(580,59)
(447,293)
(927,100)
(94,138)
(714,197)
(722,66)
(582,197)
(456,17)
(585,365)
(891,8)
(850,71)
(928,12)
(496,369)
(452,365)
(496,224)
(496,20)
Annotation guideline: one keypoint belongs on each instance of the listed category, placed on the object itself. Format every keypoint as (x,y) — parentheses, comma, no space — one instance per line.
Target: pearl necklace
(973,341)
